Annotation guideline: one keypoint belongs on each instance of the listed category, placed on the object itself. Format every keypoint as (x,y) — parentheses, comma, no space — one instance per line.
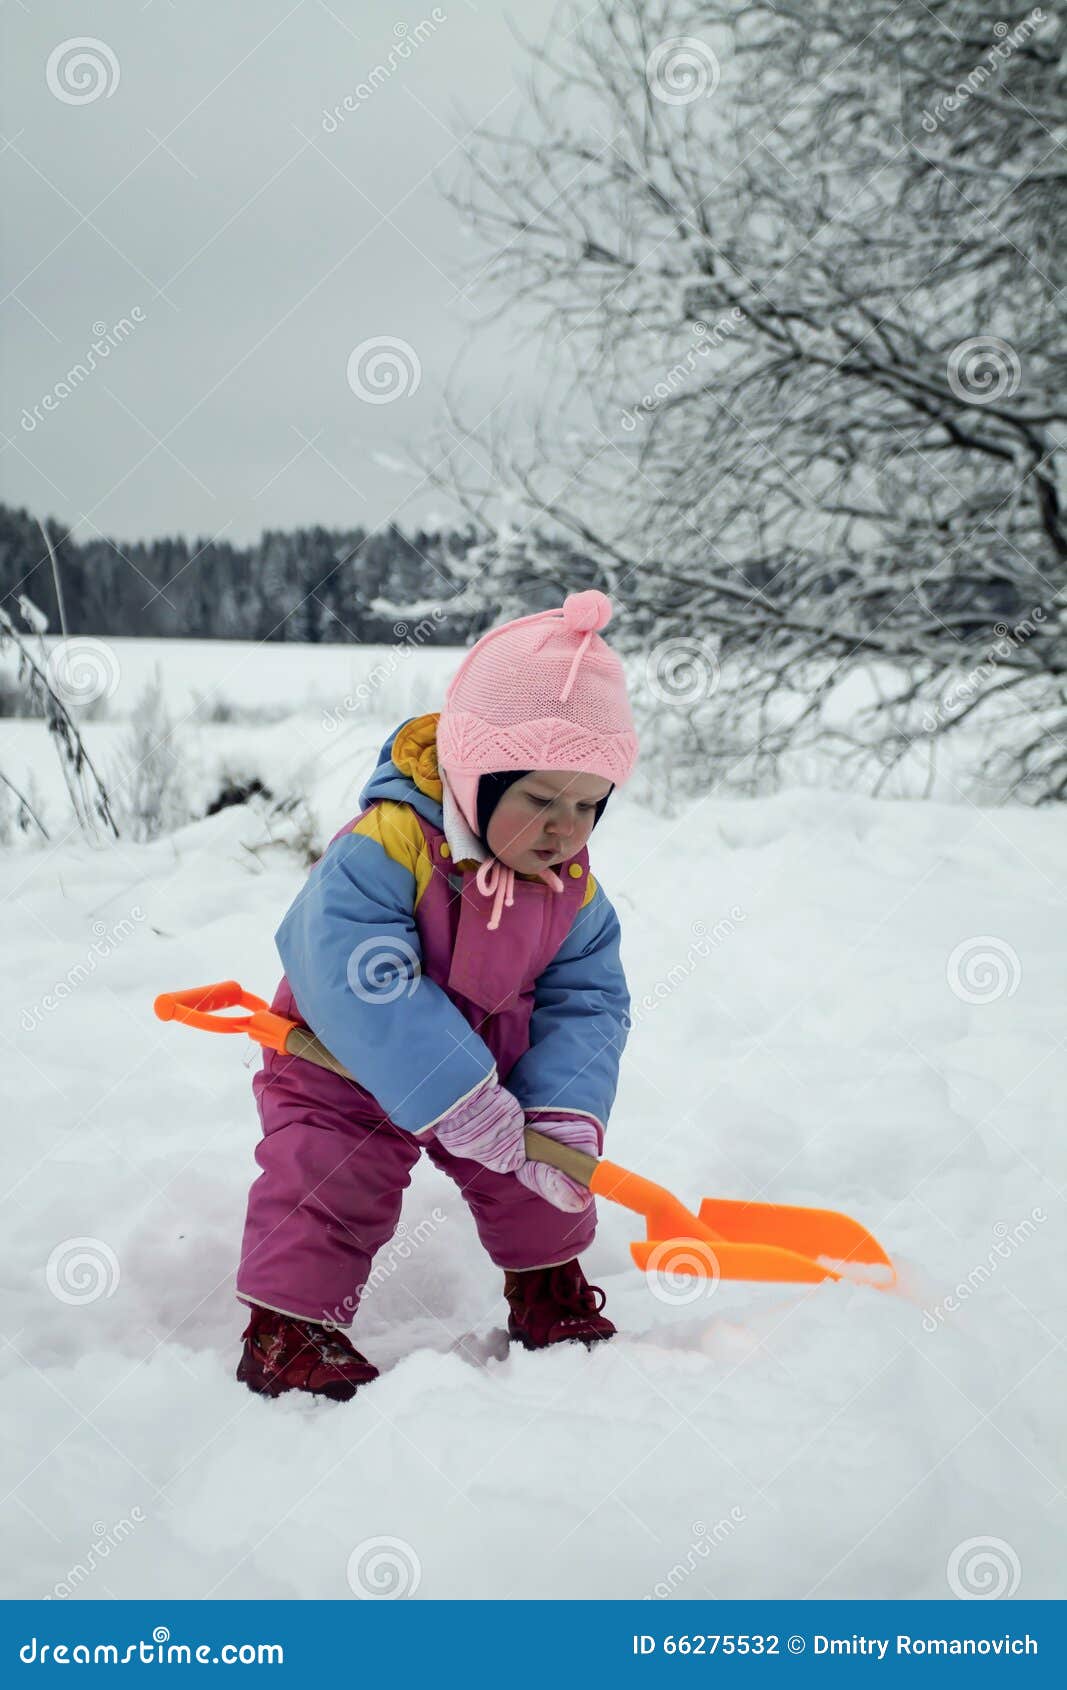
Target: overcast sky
(177,173)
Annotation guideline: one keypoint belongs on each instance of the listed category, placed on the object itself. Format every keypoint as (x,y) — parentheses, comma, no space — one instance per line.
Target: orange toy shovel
(727,1239)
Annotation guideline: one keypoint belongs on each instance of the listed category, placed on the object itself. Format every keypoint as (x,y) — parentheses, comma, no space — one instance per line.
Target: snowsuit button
(575,871)
(445,851)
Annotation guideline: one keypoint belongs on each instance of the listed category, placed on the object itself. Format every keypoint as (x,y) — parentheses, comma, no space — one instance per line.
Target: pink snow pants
(330,1189)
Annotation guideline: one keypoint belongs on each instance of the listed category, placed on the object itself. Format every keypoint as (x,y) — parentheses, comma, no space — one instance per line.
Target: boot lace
(567,1289)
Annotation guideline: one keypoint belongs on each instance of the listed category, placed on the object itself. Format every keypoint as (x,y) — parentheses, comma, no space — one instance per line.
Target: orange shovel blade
(810,1232)
(729,1239)
(727,1261)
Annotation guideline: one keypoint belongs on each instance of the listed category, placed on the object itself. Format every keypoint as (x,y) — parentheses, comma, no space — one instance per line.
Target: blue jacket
(397,1029)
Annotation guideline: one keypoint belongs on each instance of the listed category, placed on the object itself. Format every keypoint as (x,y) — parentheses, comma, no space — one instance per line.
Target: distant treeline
(335,586)
(314,585)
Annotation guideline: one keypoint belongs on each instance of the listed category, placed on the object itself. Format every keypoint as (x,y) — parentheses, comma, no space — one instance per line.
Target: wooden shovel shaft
(299,1042)
(539,1147)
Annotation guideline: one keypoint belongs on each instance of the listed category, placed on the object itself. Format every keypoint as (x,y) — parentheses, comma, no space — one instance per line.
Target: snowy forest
(312,585)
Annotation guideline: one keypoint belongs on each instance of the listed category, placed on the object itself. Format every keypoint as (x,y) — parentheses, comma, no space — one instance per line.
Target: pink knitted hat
(541,692)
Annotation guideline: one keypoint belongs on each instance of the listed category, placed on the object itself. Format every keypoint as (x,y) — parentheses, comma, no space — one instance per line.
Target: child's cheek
(511,830)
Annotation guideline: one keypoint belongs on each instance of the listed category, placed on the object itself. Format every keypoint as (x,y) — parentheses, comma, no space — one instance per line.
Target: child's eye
(535,800)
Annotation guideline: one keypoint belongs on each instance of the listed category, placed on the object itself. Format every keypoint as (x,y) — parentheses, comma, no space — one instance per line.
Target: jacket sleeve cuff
(556,1111)
(426,1133)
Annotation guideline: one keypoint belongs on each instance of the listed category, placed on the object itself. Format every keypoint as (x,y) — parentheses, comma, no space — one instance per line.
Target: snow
(830,1035)
(255,677)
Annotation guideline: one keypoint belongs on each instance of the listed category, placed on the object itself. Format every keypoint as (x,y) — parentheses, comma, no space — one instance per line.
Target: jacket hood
(407,772)
(388,781)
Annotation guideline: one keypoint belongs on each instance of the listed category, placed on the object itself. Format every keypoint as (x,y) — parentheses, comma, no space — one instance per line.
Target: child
(440,957)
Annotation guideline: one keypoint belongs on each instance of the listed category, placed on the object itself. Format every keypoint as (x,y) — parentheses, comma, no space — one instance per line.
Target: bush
(151,793)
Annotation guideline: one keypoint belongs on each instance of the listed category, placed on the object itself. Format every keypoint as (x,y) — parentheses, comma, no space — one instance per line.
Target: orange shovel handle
(197,1007)
(666,1215)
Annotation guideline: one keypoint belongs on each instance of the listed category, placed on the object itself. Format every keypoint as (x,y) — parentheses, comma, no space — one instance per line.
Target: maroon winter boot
(554,1304)
(282,1353)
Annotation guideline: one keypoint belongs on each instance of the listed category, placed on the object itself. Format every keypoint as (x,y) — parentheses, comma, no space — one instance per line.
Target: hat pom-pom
(586,612)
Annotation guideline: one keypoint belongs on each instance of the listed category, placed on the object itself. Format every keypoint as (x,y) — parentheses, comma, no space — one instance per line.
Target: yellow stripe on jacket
(396,828)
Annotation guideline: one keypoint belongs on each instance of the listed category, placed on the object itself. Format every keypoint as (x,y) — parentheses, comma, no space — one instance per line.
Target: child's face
(544,818)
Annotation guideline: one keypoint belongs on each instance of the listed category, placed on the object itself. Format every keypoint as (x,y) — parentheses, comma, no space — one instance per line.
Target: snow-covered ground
(868,1018)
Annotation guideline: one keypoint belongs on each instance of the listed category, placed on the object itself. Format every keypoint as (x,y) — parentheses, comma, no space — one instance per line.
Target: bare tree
(803,269)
